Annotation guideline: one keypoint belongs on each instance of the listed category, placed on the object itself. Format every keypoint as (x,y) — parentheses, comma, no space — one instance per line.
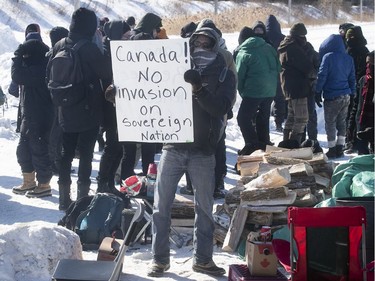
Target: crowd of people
(274,75)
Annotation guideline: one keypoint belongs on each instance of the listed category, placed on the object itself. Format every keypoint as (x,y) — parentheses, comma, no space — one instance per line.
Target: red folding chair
(330,243)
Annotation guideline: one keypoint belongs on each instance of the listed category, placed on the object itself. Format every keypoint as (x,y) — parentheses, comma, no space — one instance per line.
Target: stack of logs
(271,181)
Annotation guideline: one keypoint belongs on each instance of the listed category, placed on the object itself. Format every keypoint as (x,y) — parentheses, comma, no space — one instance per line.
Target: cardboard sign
(153,102)
(261,258)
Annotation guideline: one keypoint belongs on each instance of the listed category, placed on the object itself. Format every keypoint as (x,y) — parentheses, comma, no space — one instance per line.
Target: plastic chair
(330,242)
(92,270)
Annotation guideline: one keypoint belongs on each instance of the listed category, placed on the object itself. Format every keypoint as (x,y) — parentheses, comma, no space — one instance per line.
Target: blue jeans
(201,168)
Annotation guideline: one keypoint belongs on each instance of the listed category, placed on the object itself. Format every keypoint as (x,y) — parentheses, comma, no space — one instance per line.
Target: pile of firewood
(271,181)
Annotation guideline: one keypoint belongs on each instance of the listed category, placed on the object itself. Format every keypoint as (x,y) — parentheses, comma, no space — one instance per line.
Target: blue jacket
(336,76)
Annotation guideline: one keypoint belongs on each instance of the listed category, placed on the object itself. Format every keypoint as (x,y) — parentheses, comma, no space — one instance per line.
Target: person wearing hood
(258,67)
(80,121)
(220,156)
(336,83)
(356,48)
(343,28)
(273,31)
(213,90)
(260,31)
(148,27)
(297,69)
(36,115)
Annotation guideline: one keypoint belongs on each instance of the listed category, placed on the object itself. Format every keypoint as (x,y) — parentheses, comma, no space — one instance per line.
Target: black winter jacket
(28,69)
(86,114)
(297,68)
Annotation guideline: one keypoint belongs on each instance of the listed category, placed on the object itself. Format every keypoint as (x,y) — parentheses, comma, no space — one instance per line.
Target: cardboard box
(261,258)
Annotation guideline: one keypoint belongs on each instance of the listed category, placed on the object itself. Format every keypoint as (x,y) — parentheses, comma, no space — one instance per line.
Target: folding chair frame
(352,217)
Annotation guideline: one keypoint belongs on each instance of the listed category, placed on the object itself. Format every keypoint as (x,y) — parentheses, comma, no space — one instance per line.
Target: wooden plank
(235,229)
(318,158)
(250,158)
(267,209)
(265,167)
(270,148)
(274,178)
(304,153)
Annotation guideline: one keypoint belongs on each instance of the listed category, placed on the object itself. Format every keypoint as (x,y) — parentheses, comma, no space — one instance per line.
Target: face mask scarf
(202,58)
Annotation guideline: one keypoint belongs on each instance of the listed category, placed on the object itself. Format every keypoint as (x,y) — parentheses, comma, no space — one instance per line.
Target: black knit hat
(84,22)
(298,29)
(32,27)
(245,33)
(57,33)
(130,21)
(188,29)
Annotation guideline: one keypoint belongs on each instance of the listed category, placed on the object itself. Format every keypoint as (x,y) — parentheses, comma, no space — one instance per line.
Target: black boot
(82,190)
(64,197)
(331,154)
(286,134)
(339,151)
(296,137)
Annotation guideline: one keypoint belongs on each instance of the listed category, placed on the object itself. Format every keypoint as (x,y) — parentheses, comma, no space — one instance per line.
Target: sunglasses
(203,45)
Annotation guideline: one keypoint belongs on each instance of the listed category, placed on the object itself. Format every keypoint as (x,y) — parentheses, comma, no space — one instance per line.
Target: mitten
(194,78)
(318,99)
(110,93)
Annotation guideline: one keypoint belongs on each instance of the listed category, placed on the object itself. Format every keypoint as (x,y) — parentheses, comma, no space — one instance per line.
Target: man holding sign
(213,94)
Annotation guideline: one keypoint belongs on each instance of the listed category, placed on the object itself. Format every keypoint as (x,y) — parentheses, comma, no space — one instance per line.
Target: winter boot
(339,151)
(331,154)
(297,137)
(82,190)
(27,185)
(42,190)
(64,197)
(316,147)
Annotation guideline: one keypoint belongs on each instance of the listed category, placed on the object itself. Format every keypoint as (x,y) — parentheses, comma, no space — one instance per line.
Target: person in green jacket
(258,67)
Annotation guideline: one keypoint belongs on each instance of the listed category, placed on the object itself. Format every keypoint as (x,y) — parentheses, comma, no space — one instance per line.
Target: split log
(267,209)
(183,206)
(250,158)
(274,178)
(318,158)
(253,194)
(248,168)
(286,201)
(304,153)
(233,195)
(280,218)
(309,200)
(235,229)
(324,169)
(302,182)
(282,160)
(270,148)
(259,218)
(219,234)
(266,167)
(322,182)
(302,192)
(301,169)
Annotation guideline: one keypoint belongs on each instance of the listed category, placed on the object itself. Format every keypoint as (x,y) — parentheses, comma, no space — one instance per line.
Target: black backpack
(101,219)
(74,210)
(66,80)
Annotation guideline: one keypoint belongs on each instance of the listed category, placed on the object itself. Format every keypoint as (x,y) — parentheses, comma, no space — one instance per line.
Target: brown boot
(42,190)
(27,185)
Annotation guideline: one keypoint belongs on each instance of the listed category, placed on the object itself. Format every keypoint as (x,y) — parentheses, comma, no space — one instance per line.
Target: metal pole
(289,10)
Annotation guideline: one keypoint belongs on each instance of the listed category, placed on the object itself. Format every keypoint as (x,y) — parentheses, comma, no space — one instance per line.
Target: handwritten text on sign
(153,102)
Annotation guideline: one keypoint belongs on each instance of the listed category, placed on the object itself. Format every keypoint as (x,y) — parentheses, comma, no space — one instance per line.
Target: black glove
(194,78)
(318,99)
(110,93)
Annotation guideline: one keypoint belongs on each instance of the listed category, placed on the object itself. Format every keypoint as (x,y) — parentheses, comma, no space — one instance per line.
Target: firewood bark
(301,169)
(248,168)
(253,194)
(302,182)
(259,218)
(235,229)
(282,160)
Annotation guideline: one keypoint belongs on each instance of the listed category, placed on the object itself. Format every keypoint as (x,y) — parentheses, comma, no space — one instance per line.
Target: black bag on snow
(74,210)
(66,80)
(101,219)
